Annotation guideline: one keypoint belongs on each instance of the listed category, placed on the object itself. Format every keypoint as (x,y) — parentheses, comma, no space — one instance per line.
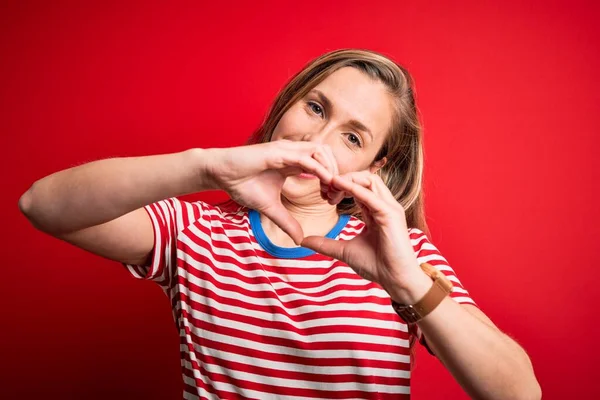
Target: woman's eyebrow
(353,122)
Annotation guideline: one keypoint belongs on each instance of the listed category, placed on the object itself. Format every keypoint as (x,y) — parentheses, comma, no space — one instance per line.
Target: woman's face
(349,112)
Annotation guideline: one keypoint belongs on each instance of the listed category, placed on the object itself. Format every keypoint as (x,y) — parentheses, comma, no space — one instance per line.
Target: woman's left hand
(382,252)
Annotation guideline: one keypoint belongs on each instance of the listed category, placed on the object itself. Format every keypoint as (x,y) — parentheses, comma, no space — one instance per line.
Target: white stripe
(363,354)
(300,277)
(239,247)
(133,269)
(390,323)
(358,282)
(203,392)
(169,216)
(349,229)
(299,384)
(177,214)
(301,310)
(305,339)
(253,393)
(188,395)
(312,323)
(190,212)
(463,300)
(297,295)
(226,387)
(293,367)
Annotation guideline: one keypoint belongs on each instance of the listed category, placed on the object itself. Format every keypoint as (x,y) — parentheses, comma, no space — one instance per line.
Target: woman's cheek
(291,126)
(344,163)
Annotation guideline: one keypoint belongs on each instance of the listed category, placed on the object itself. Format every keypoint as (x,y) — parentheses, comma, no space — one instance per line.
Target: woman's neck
(315,219)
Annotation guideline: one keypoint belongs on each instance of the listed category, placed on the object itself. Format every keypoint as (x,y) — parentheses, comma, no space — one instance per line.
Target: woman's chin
(301,190)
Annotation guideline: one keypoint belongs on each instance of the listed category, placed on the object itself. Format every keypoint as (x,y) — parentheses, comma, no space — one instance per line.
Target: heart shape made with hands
(333,192)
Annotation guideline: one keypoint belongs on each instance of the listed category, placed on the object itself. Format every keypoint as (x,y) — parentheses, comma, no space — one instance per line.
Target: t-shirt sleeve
(427,252)
(168,217)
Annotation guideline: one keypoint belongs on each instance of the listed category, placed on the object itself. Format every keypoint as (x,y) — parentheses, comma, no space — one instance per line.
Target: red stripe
(221,394)
(285,391)
(260,354)
(291,343)
(211,220)
(253,290)
(276,309)
(297,375)
(287,327)
(342,273)
(269,280)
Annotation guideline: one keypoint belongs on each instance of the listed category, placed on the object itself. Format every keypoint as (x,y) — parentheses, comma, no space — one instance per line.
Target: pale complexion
(486,362)
(327,115)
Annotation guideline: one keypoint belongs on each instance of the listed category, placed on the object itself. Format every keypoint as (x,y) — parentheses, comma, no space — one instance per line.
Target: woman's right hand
(254,175)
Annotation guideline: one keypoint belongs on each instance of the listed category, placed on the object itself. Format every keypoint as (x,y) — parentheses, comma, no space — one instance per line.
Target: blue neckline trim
(288,252)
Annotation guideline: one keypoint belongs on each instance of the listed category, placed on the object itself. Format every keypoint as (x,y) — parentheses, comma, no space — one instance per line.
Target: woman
(316,278)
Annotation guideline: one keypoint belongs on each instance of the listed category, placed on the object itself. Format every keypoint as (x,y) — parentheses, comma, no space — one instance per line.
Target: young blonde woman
(317,278)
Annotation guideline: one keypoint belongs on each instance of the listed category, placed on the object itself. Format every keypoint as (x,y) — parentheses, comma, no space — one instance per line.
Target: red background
(509,96)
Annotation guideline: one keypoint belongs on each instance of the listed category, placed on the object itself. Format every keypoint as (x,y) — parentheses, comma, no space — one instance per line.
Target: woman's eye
(354,139)
(315,108)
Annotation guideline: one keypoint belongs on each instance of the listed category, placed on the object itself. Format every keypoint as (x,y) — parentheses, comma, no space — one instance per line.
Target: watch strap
(435,295)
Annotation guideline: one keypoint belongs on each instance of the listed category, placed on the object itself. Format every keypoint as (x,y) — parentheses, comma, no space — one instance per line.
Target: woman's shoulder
(357,223)
(226,210)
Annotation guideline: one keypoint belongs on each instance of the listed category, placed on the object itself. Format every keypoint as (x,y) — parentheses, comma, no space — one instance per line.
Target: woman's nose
(317,137)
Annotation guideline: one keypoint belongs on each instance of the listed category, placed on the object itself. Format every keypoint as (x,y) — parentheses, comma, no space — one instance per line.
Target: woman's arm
(100,191)
(98,206)
(485,362)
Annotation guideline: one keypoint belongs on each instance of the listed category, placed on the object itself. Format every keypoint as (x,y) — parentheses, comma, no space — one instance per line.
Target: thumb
(326,246)
(283,219)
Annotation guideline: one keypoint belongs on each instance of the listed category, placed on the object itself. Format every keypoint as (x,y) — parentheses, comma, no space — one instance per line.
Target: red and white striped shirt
(258,321)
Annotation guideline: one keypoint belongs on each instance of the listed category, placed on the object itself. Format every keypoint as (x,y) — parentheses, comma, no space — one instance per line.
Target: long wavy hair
(403,147)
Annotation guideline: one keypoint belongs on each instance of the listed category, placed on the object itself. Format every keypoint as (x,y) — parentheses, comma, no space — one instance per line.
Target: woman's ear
(377,165)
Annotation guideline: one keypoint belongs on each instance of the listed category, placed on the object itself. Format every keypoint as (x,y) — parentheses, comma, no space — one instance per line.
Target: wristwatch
(441,288)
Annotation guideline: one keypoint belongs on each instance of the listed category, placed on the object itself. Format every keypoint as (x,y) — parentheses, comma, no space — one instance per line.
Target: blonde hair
(403,147)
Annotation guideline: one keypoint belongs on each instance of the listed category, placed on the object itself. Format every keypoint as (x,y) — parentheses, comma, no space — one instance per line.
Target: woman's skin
(353,96)
(98,207)
(485,361)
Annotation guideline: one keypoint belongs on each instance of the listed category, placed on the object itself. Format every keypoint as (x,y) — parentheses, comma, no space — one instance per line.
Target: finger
(321,156)
(283,219)
(355,177)
(361,178)
(329,153)
(373,182)
(307,164)
(289,171)
(297,154)
(329,247)
(360,193)
(284,151)
(334,195)
(381,189)
(365,214)
(314,167)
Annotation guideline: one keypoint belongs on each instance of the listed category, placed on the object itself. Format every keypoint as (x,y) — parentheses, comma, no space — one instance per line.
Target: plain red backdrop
(509,98)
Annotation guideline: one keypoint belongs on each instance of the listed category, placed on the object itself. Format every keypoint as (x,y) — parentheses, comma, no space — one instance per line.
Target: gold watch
(438,292)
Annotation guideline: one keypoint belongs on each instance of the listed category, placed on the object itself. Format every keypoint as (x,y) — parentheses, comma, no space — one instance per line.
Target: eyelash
(312,103)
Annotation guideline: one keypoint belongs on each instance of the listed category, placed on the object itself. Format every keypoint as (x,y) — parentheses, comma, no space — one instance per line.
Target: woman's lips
(305,175)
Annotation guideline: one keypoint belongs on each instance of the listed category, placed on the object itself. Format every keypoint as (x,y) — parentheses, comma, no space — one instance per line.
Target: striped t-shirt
(259,321)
